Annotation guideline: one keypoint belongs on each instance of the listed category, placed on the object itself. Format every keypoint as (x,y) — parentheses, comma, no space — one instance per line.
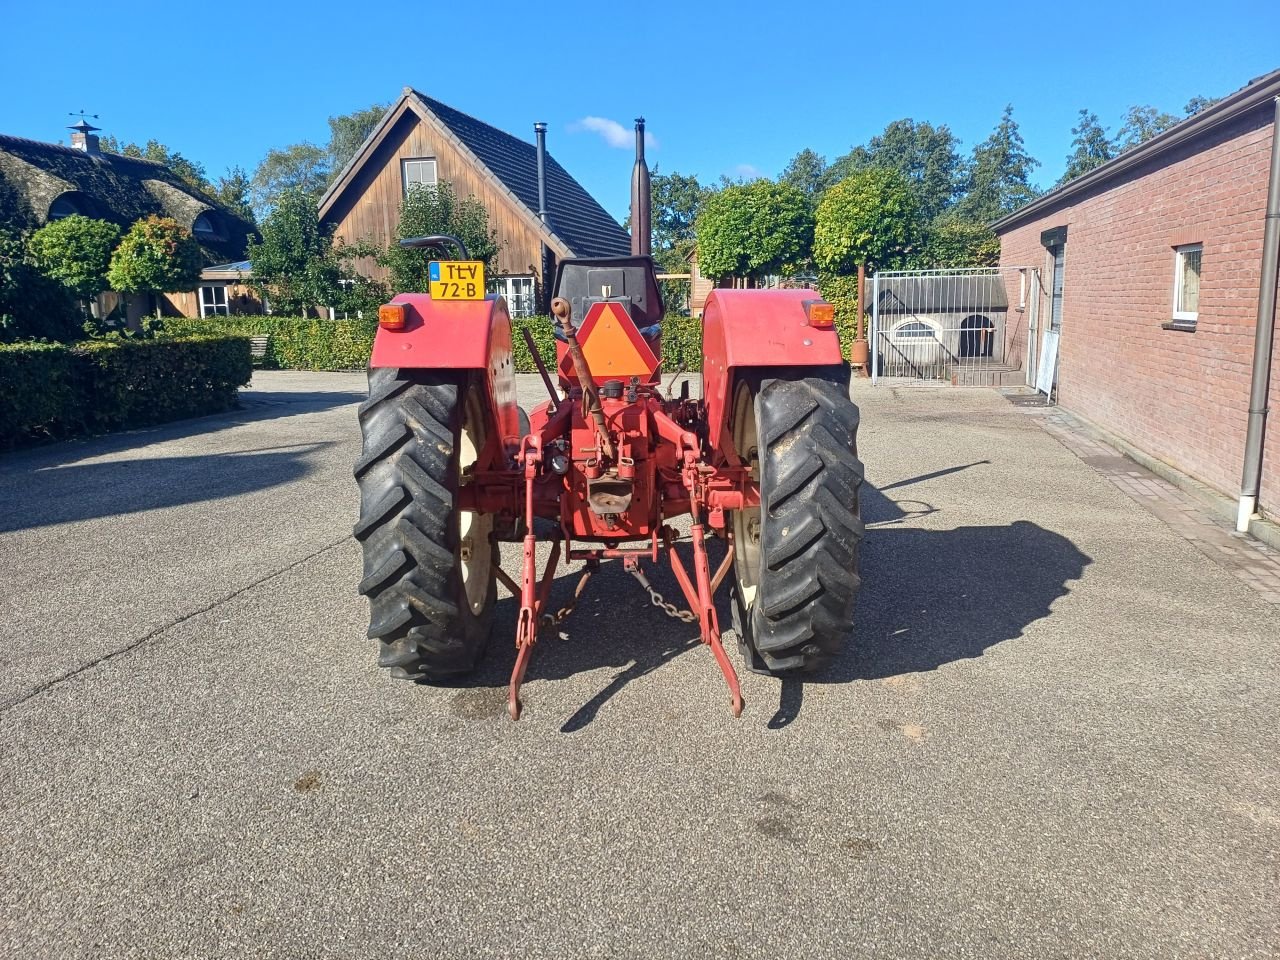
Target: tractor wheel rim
(746,523)
(475,530)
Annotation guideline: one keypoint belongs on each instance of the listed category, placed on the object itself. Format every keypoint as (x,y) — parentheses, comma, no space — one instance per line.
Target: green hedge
(296,343)
(305,344)
(51,390)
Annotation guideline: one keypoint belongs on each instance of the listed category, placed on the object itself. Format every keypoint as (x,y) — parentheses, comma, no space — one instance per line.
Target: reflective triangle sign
(612,345)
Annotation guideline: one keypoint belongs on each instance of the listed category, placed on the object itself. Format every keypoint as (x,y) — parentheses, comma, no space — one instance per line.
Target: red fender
(756,328)
(458,335)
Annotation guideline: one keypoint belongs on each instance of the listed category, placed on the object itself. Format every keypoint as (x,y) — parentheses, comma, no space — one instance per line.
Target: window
(213,301)
(1186,283)
(206,227)
(518,292)
(913,330)
(64,206)
(418,173)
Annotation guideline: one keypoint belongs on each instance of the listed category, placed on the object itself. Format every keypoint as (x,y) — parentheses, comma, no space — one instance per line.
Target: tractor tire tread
(811,531)
(407,474)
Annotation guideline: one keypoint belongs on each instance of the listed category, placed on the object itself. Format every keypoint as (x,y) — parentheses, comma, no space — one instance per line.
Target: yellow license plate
(456,280)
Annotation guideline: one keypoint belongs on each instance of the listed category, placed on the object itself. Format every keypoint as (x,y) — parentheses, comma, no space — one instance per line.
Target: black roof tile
(576,218)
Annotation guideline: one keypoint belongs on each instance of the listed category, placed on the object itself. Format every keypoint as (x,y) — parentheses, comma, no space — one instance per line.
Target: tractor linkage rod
(542,369)
(590,392)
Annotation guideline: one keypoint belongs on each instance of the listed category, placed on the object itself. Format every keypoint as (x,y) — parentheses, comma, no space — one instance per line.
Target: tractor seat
(629,281)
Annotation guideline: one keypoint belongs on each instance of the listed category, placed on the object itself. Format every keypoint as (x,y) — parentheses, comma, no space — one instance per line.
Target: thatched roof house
(54,181)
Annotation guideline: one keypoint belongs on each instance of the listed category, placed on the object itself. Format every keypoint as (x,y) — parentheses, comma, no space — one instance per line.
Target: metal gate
(965,327)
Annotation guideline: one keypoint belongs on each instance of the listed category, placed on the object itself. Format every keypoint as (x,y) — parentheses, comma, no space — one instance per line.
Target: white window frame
(211,309)
(1179,255)
(414,163)
(519,305)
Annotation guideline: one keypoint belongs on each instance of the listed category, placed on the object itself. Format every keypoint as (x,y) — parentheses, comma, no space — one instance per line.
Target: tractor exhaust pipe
(641,202)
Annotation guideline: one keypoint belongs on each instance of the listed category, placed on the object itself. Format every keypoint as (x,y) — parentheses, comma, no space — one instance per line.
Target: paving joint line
(1170,505)
(151,635)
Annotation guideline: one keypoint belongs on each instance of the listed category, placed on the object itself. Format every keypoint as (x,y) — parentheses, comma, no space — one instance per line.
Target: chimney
(641,225)
(84,138)
(540,130)
(547,260)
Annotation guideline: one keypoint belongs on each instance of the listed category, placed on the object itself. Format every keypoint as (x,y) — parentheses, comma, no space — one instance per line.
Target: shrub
(48,390)
(157,254)
(842,292)
(303,344)
(296,343)
(32,305)
(76,251)
(39,395)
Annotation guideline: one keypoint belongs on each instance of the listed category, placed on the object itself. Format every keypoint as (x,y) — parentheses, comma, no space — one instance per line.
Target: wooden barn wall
(370,209)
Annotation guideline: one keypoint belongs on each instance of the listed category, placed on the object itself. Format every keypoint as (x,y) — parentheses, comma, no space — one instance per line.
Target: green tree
(1199,104)
(754,229)
(1141,124)
(33,306)
(157,255)
(75,251)
(302,166)
(232,192)
(676,201)
(926,155)
(430,210)
(807,172)
(999,177)
(871,217)
(347,132)
(190,172)
(1090,148)
(294,267)
(957,243)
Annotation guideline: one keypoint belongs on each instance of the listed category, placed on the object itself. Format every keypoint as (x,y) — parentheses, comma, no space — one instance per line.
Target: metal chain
(561,615)
(670,609)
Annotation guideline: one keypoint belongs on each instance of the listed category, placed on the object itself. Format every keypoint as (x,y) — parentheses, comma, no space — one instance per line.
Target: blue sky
(728,88)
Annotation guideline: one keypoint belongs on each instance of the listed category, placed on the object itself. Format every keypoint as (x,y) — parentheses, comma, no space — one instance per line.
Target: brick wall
(1182,397)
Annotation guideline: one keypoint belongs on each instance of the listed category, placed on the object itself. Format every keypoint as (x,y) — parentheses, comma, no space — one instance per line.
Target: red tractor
(765,459)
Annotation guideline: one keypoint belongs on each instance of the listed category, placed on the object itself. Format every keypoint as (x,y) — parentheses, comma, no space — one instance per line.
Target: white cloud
(747,172)
(612,132)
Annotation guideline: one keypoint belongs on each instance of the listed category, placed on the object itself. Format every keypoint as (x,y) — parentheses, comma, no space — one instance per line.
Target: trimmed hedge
(295,343)
(51,390)
(306,344)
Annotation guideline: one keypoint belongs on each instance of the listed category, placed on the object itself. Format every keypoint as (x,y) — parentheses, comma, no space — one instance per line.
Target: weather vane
(81,114)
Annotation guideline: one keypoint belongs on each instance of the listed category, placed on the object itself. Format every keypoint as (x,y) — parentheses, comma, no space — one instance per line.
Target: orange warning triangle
(612,345)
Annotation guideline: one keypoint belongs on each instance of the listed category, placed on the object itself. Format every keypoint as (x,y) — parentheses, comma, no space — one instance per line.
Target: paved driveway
(1055,734)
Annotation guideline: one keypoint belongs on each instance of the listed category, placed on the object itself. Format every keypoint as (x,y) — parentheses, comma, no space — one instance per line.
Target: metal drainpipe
(1264,339)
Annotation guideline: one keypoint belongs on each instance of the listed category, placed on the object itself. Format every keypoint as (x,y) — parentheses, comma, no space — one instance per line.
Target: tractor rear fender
(458,335)
(744,329)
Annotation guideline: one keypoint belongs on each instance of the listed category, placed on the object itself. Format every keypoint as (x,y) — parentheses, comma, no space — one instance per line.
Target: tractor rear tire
(428,567)
(796,557)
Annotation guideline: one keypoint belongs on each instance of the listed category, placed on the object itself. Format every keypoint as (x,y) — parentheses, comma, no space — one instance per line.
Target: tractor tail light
(820,314)
(391,316)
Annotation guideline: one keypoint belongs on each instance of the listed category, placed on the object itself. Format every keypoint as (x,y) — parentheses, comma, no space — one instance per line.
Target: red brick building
(1150,269)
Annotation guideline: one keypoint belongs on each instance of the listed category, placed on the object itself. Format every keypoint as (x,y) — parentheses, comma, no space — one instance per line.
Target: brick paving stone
(1254,563)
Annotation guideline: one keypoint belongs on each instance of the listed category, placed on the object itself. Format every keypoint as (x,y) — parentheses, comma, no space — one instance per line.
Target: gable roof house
(1156,285)
(423,141)
(55,181)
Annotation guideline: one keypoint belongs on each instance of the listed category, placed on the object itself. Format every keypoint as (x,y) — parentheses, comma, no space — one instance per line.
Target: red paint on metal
(458,335)
(756,328)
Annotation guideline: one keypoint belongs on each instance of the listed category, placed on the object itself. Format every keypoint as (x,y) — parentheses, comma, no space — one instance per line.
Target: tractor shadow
(613,626)
(929,598)
(933,597)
